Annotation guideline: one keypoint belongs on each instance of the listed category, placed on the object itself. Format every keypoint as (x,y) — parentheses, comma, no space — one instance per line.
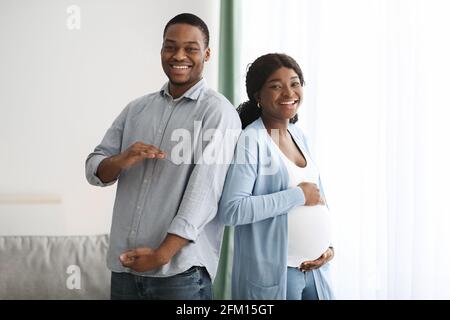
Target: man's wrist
(116,161)
(162,256)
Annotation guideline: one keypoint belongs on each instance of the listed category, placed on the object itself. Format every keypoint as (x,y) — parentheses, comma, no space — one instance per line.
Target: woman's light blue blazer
(255,200)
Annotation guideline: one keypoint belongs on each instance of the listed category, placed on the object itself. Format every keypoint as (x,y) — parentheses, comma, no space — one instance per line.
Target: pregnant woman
(273,194)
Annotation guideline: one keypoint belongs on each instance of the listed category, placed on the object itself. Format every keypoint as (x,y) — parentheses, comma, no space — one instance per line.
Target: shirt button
(138,207)
(145,180)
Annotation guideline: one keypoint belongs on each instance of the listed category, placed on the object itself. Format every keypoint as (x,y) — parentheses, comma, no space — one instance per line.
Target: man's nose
(180,54)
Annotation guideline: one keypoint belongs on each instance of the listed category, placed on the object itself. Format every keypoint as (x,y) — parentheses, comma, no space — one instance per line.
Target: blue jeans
(300,285)
(193,284)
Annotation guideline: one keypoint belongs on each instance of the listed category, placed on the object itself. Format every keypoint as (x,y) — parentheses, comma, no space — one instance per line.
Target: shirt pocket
(256,291)
(261,272)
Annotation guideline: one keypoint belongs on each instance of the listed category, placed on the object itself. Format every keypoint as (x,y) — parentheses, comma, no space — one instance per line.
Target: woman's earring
(258,105)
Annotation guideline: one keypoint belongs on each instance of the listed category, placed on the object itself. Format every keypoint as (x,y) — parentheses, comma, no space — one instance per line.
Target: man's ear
(207,54)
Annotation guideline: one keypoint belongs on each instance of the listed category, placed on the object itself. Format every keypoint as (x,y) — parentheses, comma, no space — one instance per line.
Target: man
(165,236)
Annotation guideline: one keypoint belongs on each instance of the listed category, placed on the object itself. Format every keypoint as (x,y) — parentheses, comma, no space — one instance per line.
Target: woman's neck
(277,125)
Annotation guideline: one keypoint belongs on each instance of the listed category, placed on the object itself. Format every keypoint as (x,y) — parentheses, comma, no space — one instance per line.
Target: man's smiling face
(183,55)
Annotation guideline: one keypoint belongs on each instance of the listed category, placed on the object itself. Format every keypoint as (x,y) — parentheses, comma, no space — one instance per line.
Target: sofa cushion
(54,267)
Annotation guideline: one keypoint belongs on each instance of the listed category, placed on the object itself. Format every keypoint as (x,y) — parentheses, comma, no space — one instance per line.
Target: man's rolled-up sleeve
(111,145)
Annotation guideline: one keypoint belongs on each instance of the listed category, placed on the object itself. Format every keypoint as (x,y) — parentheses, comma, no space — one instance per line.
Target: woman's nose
(288,92)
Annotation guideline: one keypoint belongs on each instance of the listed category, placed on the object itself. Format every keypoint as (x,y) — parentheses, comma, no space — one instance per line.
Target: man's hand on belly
(145,259)
(142,259)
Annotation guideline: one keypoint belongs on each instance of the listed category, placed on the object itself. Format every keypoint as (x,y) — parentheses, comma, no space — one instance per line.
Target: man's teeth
(180,67)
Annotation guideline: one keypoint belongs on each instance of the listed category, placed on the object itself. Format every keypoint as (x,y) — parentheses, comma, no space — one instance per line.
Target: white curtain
(377,112)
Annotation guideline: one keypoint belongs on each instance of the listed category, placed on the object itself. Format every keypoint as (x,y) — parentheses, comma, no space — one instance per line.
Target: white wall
(61,89)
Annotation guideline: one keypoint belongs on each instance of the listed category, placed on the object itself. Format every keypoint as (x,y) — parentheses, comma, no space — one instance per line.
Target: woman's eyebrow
(274,80)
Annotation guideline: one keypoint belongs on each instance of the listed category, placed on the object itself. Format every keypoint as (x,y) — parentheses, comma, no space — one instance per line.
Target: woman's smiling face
(281,95)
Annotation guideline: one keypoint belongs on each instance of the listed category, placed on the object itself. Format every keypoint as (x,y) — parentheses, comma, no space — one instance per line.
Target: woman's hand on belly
(316,264)
(312,194)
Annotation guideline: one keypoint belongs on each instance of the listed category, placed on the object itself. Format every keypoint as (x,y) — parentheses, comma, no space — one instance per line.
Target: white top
(309,226)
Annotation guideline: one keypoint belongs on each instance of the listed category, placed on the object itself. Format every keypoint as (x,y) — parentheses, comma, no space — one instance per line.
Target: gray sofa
(54,267)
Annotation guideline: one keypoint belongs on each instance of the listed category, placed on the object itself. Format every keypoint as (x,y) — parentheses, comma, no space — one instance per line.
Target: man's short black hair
(193,20)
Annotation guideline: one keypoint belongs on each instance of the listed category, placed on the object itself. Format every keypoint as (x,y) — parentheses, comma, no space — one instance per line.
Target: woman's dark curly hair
(258,73)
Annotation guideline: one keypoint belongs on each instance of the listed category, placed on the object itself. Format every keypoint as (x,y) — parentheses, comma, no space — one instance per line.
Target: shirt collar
(193,93)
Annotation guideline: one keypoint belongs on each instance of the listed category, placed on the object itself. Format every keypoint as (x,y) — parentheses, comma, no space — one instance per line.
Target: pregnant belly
(309,232)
